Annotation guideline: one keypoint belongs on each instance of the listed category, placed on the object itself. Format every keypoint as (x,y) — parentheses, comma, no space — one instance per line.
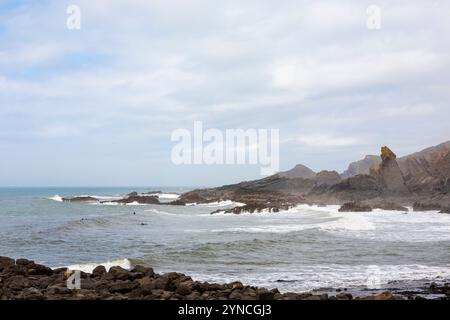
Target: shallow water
(302,249)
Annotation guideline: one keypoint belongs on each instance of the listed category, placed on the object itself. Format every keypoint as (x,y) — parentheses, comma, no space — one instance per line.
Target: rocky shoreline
(23,279)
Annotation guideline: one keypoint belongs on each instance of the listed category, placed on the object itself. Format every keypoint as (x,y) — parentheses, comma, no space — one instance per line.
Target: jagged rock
(391,206)
(420,206)
(81,199)
(445,210)
(132,194)
(389,174)
(139,199)
(360,187)
(327,178)
(428,171)
(362,166)
(354,207)
(177,203)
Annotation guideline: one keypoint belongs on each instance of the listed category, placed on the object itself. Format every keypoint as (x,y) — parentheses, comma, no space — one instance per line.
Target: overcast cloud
(97,106)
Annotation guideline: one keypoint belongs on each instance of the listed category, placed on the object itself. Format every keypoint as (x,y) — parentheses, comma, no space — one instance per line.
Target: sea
(306,248)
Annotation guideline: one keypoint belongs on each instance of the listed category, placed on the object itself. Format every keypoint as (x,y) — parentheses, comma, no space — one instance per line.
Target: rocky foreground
(23,279)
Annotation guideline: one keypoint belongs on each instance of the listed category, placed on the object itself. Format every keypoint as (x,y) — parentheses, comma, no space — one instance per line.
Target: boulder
(98,271)
(384,296)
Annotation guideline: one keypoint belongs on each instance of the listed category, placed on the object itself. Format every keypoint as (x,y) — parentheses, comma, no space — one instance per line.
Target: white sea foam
(216,204)
(171,196)
(307,278)
(89,267)
(379,225)
(56,198)
(161,212)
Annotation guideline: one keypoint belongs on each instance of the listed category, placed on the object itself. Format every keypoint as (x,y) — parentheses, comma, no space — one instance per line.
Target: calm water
(302,249)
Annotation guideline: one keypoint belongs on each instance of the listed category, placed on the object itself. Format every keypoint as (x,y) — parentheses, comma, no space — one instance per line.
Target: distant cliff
(423,176)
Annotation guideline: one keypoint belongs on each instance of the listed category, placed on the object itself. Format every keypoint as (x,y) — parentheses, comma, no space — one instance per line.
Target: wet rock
(160,283)
(99,271)
(184,289)
(38,269)
(58,289)
(344,296)
(123,287)
(354,207)
(144,270)
(445,210)
(384,296)
(5,262)
(18,282)
(426,206)
(391,206)
(139,199)
(81,199)
(119,273)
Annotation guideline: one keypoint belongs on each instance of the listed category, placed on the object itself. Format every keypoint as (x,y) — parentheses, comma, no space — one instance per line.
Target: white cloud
(323,140)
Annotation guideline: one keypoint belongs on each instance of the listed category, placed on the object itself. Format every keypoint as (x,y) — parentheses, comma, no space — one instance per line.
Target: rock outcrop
(389,175)
(428,171)
(81,199)
(355,207)
(299,171)
(138,199)
(362,166)
(327,178)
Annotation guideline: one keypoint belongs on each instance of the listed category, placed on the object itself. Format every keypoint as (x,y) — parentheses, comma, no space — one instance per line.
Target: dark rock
(119,273)
(123,287)
(445,210)
(24,262)
(38,269)
(384,296)
(177,203)
(184,289)
(426,206)
(144,270)
(139,199)
(354,207)
(6,262)
(344,296)
(99,271)
(59,270)
(390,206)
(81,199)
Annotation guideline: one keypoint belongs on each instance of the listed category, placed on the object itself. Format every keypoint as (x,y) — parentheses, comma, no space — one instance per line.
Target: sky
(96,106)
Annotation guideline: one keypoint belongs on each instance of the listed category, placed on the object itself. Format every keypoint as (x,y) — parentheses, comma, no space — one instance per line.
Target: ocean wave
(315,277)
(56,198)
(89,267)
(216,204)
(161,212)
(171,196)
(379,225)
